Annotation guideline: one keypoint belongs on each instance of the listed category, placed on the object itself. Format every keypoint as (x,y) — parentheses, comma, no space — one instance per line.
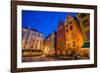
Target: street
(38,58)
(44,58)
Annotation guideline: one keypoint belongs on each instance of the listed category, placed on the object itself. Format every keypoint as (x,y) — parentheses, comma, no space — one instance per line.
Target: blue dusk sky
(43,21)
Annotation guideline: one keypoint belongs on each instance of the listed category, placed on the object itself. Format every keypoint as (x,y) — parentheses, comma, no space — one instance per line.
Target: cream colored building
(32,39)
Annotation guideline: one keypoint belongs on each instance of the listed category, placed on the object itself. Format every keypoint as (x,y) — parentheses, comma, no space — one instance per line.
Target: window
(73,43)
(27,35)
(63,44)
(31,46)
(72,35)
(66,30)
(24,47)
(22,34)
(82,15)
(85,23)
(25,42)
(71,27)
(70,22)
(41,35)
(88,35)
(66,25)
(38,35)
(33,40)
(36,47)
(34,34)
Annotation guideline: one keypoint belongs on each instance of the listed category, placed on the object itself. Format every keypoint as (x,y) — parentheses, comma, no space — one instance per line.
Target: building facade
(69,37)
(50,43)
(32,43)
(84,21)
(25,38)
(61,39)
(32,39)
(37,40)
(74,37)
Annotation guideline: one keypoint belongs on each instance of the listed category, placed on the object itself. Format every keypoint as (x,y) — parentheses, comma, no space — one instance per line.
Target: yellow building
(74,37)
(84,21)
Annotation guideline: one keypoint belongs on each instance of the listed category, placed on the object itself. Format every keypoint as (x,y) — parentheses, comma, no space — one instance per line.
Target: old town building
(25,38)
(50,43)
(32,42)
(32,39)
(61,39)
(74,37)
(69,36)
(84,21)
(36,41)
